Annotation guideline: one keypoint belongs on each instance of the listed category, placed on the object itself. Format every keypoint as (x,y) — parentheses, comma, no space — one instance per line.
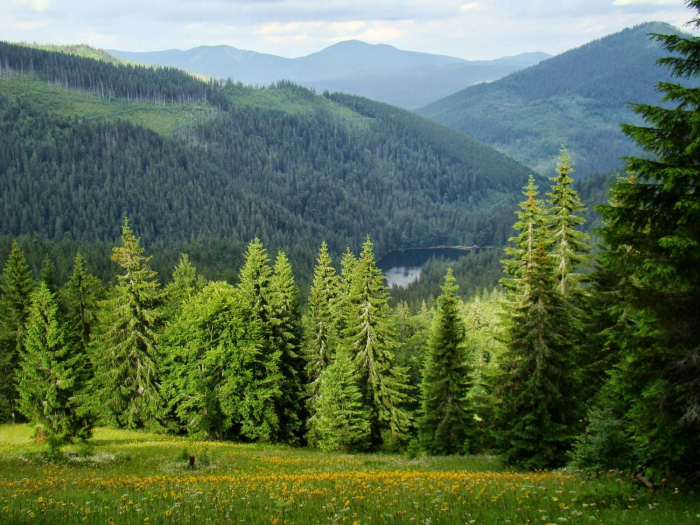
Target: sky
(470,29)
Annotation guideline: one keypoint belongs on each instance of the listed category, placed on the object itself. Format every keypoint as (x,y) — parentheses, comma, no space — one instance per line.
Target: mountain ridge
(351,66)
(577,98)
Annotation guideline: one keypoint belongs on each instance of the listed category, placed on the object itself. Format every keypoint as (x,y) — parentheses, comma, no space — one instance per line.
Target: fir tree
(80,299)
(255,289)
(14,304)
(124,348)
(532,225)
(286,336)
(447,422)
(370,342)
(568,243)
(652,236)
(51,374)
(538,411)
(342,419)
(321,322)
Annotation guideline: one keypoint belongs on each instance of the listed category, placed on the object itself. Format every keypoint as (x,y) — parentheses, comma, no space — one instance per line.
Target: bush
(605,444)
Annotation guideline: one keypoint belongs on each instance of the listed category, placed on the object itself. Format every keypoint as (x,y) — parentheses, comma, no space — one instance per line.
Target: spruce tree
(286,335)
(342,419)
(255,289)
(51,373)
(652,236)
(447,423)
(321,322)
(538,410)
(124,347)
(370,342)
(14,305)
(79,299)
(532,225)
(568,243)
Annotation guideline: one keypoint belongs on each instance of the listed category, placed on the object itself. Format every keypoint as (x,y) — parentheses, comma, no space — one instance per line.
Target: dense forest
(306,169)
(577,98)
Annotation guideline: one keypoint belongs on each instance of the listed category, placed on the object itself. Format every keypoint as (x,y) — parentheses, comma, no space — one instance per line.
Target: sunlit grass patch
(134,477)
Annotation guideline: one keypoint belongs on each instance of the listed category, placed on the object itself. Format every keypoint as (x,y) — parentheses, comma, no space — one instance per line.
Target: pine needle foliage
(255,287)
(568,243)
(285,321)
(370,342)
(124,347)
(16,288)
(342,419)
(652,237)
(538,411)
(52,373)
(447,422)
(321,323)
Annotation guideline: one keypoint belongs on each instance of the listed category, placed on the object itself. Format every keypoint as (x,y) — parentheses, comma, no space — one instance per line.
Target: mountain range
(201,165)
(381,72)
(577,98)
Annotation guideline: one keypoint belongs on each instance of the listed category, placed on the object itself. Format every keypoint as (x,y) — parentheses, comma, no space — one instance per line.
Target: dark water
(402,267)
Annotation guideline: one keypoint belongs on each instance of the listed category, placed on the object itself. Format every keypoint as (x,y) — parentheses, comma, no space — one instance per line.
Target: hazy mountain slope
(578,98)
(281,163)
(381,72)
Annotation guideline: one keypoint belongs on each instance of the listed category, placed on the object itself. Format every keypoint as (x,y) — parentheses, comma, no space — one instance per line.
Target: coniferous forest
(573,343)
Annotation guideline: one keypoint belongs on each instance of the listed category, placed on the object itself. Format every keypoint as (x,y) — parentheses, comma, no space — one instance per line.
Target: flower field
(132,477)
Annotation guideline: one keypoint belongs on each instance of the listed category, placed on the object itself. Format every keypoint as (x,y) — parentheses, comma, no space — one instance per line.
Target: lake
(403,267)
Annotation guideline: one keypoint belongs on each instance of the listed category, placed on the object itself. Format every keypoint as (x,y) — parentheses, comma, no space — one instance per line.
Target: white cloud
(379,34)
(466,8)
(34,5)
(347,27)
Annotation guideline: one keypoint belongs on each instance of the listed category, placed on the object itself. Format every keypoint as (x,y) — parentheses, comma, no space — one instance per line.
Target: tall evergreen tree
(532,225)
(447,423)
(321,322)
(255,288)
(124,347)
(342,419)
(538,411)
(652,236)
(568,243)
(79,300)
(370,342)
(286,336)
(14,305)
(51,373)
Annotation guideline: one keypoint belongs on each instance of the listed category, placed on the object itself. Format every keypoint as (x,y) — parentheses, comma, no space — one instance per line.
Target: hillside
(380,72)
(578,98)
(87,142)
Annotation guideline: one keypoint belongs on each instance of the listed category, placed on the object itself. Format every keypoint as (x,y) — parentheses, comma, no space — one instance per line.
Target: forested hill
(578,98)
(86,142)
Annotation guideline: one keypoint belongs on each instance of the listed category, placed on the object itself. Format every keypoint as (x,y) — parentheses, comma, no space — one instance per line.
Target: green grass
(137,477)
(165,120)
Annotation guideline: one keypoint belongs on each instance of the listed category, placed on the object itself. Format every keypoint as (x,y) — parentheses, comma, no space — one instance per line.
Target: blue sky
(471,29)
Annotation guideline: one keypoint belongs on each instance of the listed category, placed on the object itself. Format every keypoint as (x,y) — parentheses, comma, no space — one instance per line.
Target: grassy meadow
(135,477)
